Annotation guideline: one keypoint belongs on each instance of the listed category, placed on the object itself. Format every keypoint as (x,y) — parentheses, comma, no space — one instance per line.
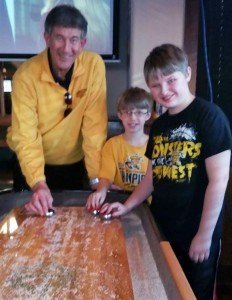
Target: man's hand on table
(41,199)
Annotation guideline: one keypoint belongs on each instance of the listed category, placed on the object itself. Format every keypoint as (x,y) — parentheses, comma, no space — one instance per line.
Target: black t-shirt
(178,146)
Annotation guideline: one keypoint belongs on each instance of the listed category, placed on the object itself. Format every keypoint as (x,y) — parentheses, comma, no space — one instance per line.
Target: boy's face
(65,45)
(133,120)
(171,91)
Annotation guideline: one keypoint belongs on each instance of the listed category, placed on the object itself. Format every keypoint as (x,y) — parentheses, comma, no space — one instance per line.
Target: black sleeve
(215,131)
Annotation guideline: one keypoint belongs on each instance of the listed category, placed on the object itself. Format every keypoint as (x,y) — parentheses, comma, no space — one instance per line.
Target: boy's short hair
(165,59)
(67,16)
(135,97)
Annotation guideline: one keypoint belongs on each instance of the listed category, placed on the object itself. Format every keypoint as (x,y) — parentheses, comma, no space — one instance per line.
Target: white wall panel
(153,22)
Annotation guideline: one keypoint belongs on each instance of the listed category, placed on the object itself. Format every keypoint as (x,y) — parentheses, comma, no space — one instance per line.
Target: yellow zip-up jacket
(39,132)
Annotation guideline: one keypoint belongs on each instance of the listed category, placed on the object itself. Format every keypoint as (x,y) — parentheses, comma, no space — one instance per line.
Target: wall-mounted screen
(22,26)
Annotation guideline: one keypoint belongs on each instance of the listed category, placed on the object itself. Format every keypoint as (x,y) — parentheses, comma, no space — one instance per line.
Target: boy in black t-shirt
(189,151)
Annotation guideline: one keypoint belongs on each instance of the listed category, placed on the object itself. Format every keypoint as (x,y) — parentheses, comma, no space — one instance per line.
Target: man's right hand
(41,199)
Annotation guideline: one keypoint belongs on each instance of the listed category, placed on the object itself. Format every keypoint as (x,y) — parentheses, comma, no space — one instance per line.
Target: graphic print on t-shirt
(175,153)
(131,170)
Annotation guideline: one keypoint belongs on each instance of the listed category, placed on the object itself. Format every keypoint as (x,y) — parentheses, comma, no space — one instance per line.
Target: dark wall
(214,78)
(117,73)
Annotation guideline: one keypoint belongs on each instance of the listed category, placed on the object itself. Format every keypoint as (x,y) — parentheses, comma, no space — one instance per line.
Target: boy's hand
(116,209)
(95,200)
(200,248)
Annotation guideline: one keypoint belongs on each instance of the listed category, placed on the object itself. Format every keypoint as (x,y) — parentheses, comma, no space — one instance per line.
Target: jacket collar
(46,74)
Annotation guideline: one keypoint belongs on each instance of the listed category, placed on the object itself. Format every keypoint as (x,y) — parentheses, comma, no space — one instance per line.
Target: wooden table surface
(73,255)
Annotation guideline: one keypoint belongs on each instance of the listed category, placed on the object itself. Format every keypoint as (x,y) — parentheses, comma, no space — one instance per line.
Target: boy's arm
(217,167)
(140,193)
(96,199)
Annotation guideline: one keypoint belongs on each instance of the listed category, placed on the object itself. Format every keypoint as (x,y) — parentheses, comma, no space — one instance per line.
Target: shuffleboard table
(74,255)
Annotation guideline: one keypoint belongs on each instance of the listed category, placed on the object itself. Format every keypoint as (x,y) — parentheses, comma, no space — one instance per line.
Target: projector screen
(22,26)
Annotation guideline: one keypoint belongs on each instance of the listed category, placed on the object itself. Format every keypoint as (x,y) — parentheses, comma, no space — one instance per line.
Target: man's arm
(24,137)
(217,167)
(94,127)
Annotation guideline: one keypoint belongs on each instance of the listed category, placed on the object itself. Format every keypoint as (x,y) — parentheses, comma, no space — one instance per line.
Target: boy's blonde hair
(165,59)
(135,97)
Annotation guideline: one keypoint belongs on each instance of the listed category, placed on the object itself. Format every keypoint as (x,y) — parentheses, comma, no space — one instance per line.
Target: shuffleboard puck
(106,217)
(95,212)
(50,212)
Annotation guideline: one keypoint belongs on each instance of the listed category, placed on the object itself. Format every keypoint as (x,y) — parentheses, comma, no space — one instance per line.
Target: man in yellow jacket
(59,116)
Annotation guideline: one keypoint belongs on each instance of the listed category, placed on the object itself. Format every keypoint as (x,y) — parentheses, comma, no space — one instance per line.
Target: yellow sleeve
(94,127)
(25,138)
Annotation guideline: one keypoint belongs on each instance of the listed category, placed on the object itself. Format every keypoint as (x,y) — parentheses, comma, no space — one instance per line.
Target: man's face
(65,45)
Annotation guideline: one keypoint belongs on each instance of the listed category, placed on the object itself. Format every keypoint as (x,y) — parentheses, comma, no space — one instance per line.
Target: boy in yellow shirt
(123,161)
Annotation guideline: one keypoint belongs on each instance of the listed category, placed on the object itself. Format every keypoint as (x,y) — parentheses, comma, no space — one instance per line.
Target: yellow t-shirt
(123,164)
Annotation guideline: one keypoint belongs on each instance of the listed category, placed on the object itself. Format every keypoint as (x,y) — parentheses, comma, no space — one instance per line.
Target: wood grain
(183,286)
(71,255)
